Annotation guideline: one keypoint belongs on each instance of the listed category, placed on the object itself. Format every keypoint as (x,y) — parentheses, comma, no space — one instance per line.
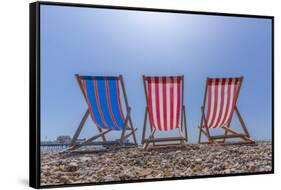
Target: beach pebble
(108,178)
(114,164)
(72,167)
(198,160)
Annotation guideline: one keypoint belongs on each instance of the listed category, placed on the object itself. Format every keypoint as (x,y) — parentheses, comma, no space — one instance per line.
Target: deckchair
(102,95)
(222,96)
(165,108)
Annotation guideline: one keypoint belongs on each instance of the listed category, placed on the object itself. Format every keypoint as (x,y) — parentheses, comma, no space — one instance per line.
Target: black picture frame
(34,89)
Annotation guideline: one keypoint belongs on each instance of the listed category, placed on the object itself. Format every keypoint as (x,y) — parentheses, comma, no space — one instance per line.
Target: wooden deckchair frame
(128,120)
(180,141)
(228,132)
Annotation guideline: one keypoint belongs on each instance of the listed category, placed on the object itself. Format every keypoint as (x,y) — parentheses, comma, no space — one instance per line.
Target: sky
(91,41)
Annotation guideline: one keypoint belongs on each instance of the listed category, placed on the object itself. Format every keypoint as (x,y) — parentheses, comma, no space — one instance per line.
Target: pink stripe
(164,102)
(215,102)
(223,116)
(98,103)
(224,121)
(149,94)
(222,103)
(209,94)
(109,104)
(157,103)
(237,80)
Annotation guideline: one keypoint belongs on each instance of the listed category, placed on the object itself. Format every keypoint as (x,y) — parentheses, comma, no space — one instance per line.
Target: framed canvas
(130,94)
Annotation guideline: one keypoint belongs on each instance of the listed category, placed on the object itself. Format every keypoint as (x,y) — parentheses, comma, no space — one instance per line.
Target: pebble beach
(123,164)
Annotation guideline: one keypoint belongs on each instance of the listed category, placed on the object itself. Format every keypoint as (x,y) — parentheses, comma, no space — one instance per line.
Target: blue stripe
(92,99)
(103,103)
(114,103)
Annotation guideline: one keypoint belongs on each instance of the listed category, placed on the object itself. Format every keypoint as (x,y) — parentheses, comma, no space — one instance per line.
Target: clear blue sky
(93,41)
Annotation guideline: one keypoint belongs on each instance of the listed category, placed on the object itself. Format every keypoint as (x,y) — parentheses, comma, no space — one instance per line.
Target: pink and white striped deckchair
(222,95)
(164,98)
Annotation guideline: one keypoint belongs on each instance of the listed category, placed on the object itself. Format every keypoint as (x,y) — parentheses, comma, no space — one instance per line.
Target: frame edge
(34,141)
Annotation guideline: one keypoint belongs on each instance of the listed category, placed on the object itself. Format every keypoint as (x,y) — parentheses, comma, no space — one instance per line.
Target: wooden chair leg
(144,126)
(152,131)
(185,125)
(242,121)
(128,135)
(181,134)
(78,131)
(150,138)
(200,132)
(145,146)
(209,137)
(225,133)
(127,119)
(208,134)
(122,136)
(103,136)
(204,123)
(133,131)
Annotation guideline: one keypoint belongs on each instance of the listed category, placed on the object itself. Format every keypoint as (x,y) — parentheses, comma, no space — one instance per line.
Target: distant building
(80,140)
(118,140)
(46,142)
(64,139)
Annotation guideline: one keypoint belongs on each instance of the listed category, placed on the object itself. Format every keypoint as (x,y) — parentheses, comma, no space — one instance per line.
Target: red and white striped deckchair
(164,98)
(102,95)
(222,95)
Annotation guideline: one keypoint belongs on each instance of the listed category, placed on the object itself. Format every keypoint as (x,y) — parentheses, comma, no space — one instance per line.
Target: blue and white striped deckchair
(102,94)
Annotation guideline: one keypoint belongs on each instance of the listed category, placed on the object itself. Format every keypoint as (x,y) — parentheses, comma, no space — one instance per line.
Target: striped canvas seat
(165,109)
(102,96)
(103,99)
(222,94)
(220,98)
(164,102)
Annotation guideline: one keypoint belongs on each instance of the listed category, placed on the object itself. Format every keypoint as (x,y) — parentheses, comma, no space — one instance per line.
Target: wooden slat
(174,145)
(89,140)
(229,143)
(244,136)
(227,136)
(165,139)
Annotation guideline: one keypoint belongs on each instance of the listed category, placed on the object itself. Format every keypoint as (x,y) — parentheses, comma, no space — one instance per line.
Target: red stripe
(215,103)
(227,101)
(171,102)
(234,98)
(119,101)
(209,94)
(222,85)
(164,82)
(109,104)
(157,101)
(175,82)
(178,101)
(98,102)
(88,103)
(149,99)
